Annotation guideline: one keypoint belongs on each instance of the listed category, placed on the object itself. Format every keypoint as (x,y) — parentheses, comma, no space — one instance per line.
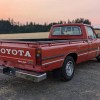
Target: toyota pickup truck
(67,45)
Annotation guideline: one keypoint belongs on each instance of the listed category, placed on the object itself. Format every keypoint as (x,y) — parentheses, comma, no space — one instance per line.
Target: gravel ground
(84,86)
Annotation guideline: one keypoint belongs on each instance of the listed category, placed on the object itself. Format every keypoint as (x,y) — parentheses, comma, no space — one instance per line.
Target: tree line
(9,26)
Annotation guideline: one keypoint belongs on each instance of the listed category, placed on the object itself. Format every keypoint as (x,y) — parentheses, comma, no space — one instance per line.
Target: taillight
(38,56)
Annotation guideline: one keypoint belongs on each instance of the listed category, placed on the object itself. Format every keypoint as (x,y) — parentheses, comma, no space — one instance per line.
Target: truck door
(92,43)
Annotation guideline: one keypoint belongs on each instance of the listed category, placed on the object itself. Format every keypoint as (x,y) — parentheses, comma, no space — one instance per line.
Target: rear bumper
(33,76)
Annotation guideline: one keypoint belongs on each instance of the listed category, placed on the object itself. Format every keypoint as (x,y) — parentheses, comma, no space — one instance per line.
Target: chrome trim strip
(93,51)
(83,54)
(52,62)
(88,53)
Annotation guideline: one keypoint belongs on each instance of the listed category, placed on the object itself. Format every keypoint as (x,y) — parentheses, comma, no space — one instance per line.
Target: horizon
(41,11)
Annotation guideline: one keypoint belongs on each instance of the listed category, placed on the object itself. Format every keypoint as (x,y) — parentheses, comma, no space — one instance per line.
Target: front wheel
(98,58)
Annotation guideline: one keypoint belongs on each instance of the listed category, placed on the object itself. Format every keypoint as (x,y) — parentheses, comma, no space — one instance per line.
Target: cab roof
(72,24)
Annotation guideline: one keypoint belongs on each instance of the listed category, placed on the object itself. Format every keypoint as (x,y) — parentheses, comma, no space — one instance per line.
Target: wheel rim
(69,68)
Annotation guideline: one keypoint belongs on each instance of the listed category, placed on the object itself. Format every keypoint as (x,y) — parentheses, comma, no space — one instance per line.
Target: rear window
(67,30)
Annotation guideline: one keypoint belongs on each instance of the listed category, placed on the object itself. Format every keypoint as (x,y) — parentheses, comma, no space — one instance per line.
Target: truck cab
(72,31)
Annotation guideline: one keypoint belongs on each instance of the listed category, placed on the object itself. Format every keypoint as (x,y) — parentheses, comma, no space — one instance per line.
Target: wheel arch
(74,55)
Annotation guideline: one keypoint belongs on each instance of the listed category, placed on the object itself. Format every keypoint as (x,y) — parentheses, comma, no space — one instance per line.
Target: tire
(98,58)
(65,73)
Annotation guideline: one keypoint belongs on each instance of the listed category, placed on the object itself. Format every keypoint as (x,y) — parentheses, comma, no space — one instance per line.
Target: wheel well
(74,55)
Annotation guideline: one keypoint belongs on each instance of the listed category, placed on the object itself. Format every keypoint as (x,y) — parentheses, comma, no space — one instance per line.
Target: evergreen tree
(9,26)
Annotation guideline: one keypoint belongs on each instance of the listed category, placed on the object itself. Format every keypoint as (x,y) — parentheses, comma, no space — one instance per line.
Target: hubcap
(69,68)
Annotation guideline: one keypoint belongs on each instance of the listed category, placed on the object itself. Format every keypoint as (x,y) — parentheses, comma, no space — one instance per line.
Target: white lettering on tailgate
(15,52)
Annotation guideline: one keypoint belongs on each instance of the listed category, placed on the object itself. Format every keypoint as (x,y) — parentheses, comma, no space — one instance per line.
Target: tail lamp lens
(38,56)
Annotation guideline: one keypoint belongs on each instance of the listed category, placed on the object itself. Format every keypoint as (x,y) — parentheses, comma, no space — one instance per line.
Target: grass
(28,35)
(97,31)
(25,35)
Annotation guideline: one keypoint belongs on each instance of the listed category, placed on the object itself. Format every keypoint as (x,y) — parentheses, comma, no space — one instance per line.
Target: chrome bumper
(33,76)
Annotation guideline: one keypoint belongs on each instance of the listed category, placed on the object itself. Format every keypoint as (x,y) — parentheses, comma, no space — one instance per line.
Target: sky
(41,11)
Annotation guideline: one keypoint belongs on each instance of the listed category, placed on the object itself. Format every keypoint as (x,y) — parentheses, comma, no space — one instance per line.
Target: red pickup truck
(67,45)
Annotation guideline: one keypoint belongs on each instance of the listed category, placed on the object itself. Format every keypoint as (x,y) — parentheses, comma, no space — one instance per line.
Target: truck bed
(19,52)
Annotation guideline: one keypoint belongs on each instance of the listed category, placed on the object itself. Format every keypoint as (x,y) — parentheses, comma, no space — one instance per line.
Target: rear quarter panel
(53,56)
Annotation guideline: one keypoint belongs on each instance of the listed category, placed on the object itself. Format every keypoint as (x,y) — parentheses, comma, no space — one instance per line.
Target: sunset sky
(41,11)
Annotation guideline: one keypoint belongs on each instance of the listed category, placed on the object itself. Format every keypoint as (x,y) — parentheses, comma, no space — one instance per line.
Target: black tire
(61,73)
(98,58)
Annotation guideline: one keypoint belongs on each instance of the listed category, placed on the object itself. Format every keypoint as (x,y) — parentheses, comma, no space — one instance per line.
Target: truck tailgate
(16,54)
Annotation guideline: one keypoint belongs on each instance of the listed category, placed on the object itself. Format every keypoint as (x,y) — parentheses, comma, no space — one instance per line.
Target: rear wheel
(67,71)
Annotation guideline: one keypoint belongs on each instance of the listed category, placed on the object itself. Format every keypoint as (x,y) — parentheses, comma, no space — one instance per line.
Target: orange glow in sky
(50,10)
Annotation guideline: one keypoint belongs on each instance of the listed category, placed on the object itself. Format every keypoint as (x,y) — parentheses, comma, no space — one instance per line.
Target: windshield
(67,30)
